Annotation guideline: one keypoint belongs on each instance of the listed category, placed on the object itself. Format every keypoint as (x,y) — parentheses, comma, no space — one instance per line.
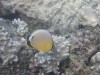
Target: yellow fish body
(41,40)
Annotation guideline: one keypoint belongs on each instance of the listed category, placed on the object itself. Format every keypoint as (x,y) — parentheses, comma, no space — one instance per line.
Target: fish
(40,40)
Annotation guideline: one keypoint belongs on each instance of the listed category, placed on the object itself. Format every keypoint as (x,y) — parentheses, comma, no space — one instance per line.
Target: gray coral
(64,15)
(9,45)
(80,19)
(22,28)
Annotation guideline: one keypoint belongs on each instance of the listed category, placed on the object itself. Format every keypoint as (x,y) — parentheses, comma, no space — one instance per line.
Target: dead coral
(81,69)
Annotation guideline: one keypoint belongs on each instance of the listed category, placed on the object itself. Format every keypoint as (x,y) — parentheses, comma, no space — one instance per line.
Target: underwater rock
(64,15)
(88,17)
(95,61)
(96,58)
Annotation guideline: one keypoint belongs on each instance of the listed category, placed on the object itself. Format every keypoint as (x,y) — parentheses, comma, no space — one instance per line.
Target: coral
(9,45)
(87,17)
(83,42)
(96,58)
(21,26)
(96,62)
(50,60)
(63,15)
(81,69)
(79,19)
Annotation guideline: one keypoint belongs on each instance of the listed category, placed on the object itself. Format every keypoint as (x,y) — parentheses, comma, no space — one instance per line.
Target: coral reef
(75,29)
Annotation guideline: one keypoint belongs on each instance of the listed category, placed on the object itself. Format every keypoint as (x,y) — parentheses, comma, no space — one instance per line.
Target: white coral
(50,60)
(88,17)
(22,26)
(96,57)
(8,46)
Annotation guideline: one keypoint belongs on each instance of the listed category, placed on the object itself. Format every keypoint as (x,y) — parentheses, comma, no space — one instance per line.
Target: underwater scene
(49,37)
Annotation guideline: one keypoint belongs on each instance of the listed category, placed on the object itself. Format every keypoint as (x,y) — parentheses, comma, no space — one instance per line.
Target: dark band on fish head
(28,42)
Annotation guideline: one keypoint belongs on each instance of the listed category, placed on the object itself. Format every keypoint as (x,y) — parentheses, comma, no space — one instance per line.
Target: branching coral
(21,26)
(50,60)
(9,44)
